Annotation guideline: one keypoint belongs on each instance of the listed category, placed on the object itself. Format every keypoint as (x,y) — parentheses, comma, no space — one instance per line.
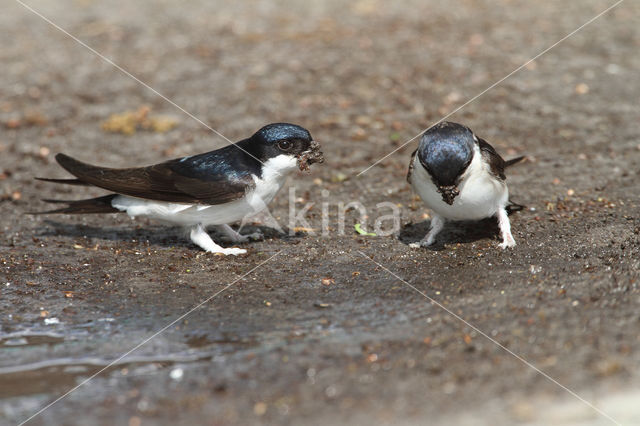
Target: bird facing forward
(459,176)
(214,188)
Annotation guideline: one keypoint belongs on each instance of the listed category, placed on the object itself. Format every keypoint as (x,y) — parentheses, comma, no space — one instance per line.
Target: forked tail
(514,207)
(513,161)
(91,205)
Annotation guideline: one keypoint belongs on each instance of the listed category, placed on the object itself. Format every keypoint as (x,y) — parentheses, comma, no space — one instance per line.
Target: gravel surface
(320,334)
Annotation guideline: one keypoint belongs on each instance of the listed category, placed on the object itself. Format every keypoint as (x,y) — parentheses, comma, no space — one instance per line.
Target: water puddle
(63,373)
(29,339)
(199,340)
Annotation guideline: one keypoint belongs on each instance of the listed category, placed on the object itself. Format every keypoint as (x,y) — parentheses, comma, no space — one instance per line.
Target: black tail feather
(514,207)
(65,181)
(91,205)
(513,161)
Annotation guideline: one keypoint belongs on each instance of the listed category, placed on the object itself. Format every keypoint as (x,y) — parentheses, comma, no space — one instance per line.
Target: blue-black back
(230,162)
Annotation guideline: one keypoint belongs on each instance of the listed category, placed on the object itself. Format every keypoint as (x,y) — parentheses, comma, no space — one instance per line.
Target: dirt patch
(320,333)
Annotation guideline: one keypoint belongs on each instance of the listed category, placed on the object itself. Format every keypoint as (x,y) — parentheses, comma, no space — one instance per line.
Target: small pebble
(582,89)
(176,374)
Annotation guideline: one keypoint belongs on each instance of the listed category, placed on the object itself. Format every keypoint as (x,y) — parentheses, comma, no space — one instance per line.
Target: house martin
(459,176)
(211,189)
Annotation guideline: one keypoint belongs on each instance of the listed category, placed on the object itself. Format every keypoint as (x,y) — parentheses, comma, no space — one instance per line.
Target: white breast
(481,194)
(274,175)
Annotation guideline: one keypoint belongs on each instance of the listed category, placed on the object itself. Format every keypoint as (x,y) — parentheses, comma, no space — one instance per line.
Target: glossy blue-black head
(288,139)
(446,151)
(275,132)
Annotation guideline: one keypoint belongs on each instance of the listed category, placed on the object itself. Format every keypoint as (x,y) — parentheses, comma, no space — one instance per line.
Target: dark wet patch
(204,338)
(56,375)
(29,339)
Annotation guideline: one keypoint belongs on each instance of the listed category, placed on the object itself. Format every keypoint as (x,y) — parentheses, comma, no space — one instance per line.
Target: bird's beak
(312,155)
(449,193)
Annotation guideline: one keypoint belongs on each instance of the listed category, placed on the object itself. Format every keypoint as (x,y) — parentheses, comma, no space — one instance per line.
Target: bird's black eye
(285,145)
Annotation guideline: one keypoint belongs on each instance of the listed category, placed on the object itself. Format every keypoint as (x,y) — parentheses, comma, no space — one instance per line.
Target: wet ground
(304,329)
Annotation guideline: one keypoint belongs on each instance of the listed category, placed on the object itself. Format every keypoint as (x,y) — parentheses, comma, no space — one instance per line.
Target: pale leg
(505,229)
(200,237)
(237,237)
(437,223)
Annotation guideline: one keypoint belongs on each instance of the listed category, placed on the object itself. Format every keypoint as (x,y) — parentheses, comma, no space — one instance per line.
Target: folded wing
(170,181)
(496,162)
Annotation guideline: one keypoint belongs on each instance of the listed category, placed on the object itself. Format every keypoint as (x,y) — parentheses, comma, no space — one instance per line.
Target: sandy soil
(319,333)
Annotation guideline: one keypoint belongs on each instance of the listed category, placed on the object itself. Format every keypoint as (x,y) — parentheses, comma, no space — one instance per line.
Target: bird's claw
(229,251)
(420,244)
(256,236)
(510,242)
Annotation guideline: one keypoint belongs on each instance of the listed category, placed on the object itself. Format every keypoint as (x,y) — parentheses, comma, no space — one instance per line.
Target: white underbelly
(191,214)
(182,214)
(479,197)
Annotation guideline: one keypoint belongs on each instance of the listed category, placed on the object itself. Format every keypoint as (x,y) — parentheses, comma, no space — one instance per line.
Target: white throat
(278,167)
(274,174)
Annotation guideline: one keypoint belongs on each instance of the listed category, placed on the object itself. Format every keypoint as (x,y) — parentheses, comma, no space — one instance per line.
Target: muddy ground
(318,333)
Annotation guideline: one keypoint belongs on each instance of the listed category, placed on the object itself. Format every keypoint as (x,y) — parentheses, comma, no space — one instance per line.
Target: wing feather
(163,182)
(496,162)
(411,166)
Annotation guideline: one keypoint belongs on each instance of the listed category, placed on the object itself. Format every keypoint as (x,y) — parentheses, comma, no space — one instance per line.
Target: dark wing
(203,179)
(413,154)
(496,163)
